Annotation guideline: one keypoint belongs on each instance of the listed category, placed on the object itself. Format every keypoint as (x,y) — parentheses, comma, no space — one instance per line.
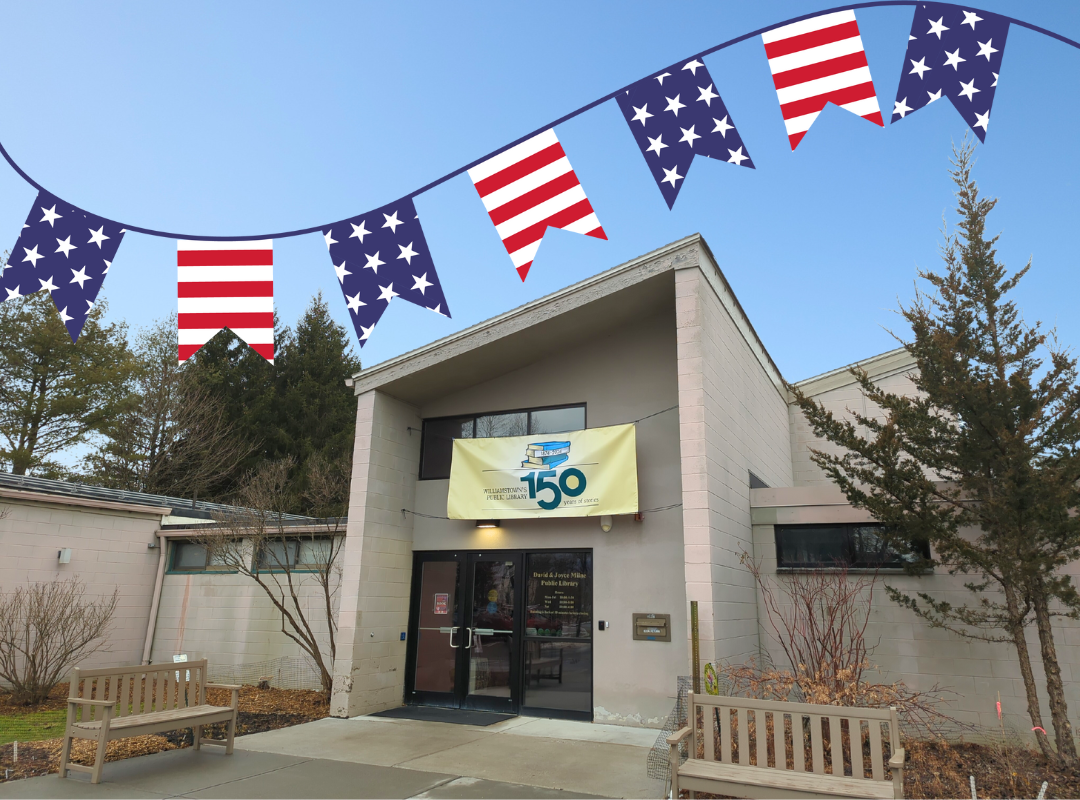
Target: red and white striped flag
(225,285)
(528,189)
(818,61)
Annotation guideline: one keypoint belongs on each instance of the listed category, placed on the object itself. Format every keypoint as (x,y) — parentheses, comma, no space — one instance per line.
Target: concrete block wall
(734,418)
(108,550)
(369,673)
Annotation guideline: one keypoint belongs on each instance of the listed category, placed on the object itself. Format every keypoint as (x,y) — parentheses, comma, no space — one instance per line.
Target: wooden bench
(739,740)
(120,702)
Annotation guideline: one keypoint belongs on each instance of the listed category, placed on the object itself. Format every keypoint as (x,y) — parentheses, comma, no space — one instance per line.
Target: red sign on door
(442,603)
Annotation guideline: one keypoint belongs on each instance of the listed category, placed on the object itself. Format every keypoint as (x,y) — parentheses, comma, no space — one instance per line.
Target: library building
(537,499)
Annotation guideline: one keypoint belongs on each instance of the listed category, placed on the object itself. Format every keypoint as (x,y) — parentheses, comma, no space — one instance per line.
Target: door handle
(452,632)
(469,645)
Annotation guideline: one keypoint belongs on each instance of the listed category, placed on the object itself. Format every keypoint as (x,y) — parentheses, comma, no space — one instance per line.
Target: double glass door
(465,624)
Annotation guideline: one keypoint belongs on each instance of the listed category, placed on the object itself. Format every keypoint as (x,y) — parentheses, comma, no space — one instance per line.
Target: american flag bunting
(817,61)
(66,251)
(953,53)
(529,188)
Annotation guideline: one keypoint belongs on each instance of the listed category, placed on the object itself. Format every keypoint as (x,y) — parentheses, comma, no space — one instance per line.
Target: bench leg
(99,759)
(197,733)
(65,754)
(230,734)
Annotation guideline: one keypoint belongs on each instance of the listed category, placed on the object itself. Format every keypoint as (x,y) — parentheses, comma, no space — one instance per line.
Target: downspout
(163,545)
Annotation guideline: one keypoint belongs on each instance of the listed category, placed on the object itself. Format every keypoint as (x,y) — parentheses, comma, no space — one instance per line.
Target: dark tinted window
(439,434)
(835,545)
(192,557)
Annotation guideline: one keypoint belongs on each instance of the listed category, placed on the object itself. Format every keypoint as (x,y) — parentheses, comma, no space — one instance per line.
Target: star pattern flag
(676,115)
(952,53)
(66,251)
(817,61)
(225,285)
(379,256)
(529,188)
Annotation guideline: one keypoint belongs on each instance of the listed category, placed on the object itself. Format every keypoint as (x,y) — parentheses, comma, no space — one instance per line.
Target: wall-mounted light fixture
(605,523)
(487,523)
(64,556)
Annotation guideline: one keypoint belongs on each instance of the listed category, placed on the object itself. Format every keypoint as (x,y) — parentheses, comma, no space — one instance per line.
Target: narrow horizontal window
(859,546)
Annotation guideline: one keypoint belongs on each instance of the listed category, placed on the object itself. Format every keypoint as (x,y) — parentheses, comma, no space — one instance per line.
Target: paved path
(381,757)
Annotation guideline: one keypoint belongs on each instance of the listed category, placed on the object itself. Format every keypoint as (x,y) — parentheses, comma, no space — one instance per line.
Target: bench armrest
(897,759)
(678,736)
(85,702)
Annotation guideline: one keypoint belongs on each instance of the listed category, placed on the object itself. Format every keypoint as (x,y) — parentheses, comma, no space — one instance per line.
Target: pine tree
(983,463)
(55,394)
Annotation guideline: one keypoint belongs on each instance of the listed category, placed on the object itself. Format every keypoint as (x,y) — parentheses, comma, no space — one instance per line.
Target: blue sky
(246,118)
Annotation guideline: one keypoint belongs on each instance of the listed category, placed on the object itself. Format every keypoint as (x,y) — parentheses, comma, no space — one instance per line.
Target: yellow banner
(576,474)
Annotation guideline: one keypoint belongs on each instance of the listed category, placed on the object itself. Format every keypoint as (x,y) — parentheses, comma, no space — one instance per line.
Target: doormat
(435,714)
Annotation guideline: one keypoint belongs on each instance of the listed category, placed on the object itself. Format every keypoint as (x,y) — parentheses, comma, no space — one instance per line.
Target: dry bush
(45,630)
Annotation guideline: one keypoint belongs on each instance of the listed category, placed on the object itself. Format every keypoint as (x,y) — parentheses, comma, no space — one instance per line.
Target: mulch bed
(259,710)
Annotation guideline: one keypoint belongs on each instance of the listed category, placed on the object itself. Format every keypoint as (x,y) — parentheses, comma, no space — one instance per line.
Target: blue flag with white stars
(676,115)
(66,251)
(955,53)
(379,256)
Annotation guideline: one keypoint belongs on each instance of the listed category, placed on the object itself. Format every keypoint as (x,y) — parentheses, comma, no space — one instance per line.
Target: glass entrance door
(465,624)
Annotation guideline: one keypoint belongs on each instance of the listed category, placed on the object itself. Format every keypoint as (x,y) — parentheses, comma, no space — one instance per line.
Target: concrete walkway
(380,757)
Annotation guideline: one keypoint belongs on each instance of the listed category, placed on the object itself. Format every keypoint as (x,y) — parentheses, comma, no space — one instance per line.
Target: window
(304,554)
(439,434)
(193,557)
(859,546)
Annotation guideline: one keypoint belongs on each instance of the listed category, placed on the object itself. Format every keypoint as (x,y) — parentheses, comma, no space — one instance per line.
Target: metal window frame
(848,528)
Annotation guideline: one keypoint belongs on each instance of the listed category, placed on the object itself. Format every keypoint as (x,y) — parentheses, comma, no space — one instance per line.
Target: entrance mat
(435,714)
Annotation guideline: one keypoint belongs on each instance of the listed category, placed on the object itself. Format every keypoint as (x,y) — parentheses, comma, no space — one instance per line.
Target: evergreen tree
(983,463)
(55,394)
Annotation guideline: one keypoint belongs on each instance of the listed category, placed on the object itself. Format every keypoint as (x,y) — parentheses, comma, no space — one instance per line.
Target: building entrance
(503,630)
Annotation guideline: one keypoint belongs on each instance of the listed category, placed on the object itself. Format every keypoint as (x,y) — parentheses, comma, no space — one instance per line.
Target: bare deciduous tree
(283,558)
(45,630)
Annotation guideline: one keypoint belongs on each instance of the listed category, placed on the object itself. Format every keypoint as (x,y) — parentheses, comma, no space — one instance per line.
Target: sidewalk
(379,757)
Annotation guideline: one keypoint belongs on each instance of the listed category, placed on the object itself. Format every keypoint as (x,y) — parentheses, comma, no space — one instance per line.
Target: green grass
(32,726)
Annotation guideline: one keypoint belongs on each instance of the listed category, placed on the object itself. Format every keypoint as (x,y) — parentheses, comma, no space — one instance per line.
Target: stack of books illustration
(546,455)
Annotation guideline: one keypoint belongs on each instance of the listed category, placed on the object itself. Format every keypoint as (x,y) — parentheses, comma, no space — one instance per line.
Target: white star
(936,28)
(641,114)
(986,49)
(901,107)
(673,105)
(388,293)
(52,287)
(108,264)
(98,236)
(50,216)
(89,306)
(655,145)
(982,120)
(392,222)
(354,302)
(407,253)
(359,231)
(341,272)
(329,237)
(995,79)
(708,95)
(693,67)
(12,293)
(670,176)
(919,66)
(970,18)
(722,126)
(422,283)
(661,77)
(934,96)
(688,135)
(79,277)
(953,59)
(373,262)
(737,157)
(438,310)
(969,91)
(32,256)
(65,247)
(367,332)
(64,316)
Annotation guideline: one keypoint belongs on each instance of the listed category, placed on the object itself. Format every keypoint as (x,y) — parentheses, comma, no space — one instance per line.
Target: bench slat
(125,695)
(779,743)
(707,738)
(798,742)
(744,736)
(816,745)
(782,783)
(875,751)
(836,740)
(761,737)
(806,708)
